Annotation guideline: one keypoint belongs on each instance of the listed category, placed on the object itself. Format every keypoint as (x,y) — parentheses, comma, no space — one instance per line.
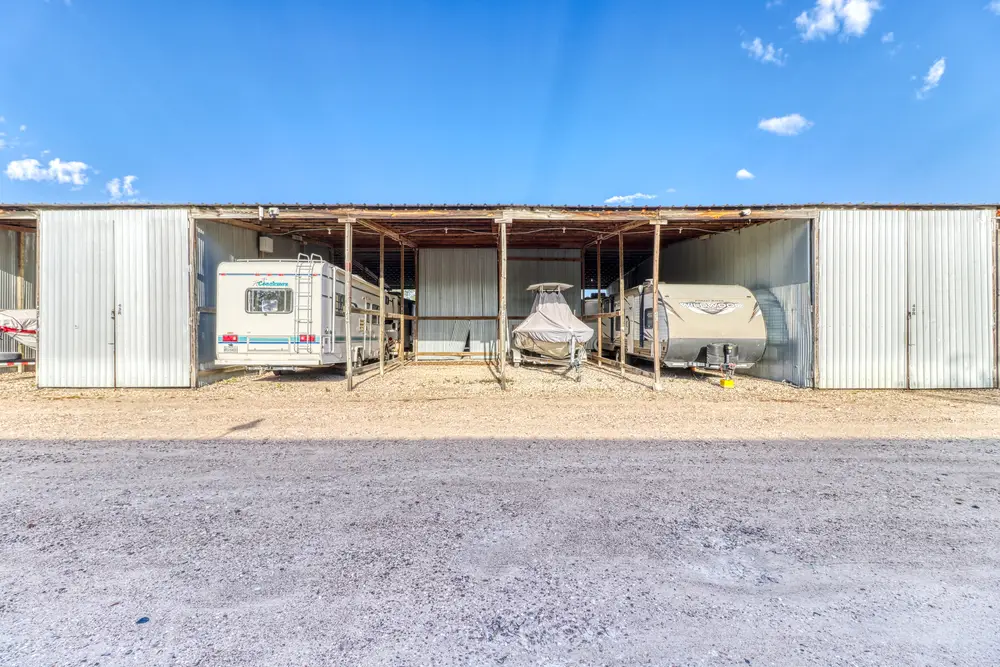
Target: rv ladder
(303,302)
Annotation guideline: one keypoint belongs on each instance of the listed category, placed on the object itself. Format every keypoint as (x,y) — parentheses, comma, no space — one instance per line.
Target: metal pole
(657,386)
(621,303)
(600,311)
(503,305)
(416,303)
(348,304)
(381,305)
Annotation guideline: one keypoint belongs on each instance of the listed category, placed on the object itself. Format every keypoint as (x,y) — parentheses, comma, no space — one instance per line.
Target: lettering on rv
(269,283)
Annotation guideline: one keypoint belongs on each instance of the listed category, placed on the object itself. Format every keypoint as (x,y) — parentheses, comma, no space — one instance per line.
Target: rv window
(340,304)
(268,300)
(647,318)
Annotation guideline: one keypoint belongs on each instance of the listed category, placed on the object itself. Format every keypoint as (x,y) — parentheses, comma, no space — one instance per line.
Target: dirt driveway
(428,518)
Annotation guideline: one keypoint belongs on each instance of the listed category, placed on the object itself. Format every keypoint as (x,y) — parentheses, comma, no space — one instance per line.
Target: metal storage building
(854,296)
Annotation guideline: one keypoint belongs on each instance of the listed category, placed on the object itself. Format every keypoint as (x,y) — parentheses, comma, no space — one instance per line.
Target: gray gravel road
(514,552)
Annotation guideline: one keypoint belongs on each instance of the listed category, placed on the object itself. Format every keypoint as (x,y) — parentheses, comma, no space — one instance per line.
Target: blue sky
(518,101)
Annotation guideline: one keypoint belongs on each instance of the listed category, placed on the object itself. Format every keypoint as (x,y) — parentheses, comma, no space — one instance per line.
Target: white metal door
(77,299)
(152,329)
(950,309)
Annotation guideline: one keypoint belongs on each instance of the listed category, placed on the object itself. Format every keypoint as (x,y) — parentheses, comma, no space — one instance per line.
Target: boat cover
(551,329)
(21,325)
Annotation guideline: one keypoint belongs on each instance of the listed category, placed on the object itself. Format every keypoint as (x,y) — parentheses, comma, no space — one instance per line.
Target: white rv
(283,314)
(701,326)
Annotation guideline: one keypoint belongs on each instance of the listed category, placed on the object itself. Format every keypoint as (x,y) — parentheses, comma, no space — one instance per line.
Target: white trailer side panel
(76,333)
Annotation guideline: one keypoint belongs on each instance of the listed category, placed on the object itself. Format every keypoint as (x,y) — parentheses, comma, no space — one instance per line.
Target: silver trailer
(717,327)
(286,314)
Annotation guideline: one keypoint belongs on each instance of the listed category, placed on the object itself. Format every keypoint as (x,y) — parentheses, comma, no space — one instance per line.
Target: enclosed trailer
(285,314)
(701,326)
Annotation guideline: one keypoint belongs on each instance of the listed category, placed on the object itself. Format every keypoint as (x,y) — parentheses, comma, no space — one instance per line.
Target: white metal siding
(152,291)
(458,282)
(75,326)
(862,299)
(773,260)
(875,266)
(216,243)
(949,276)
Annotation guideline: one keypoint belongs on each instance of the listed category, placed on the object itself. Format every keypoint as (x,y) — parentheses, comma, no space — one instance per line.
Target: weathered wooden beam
(381,305)
(348,284)
(543,259)
(621,302)
(600,320)
(621,229)
(503,304)
(657,386)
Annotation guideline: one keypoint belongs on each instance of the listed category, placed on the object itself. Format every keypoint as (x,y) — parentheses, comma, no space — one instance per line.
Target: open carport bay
(436,519)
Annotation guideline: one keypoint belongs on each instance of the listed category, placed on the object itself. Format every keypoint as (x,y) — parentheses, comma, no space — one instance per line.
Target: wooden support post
(621,303)
(348,304)
(657,386)
(381,305)
(600,309)
(416,302)
(402,302)
(502,319)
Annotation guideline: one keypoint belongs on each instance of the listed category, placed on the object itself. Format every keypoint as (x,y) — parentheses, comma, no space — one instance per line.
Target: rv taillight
(229,338)
(307,339)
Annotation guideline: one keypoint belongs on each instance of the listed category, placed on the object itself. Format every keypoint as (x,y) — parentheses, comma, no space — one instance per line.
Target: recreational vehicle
(285,314)
(718,327)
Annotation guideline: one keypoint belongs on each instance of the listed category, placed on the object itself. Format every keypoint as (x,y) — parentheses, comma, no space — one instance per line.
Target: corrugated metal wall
(457,282)
(217,243)
(76,332)
(949,278)
(9,250)
(905,299)
(114,305)
(774,260)
(522,273)
(862,299)
(152,290)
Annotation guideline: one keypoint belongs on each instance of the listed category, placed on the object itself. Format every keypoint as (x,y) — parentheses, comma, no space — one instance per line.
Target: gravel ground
(429,518)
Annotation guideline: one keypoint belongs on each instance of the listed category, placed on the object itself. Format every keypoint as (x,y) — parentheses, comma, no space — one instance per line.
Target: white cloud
(786,126)
(773,3)
(121,187)
(66,173)
(745,175)
(933,78)
(628,199)
(24,127)
(890,37)
(3,143)
(671,190)
(851,18)
(46,151)
(994,7)
(2,119)
(765,53)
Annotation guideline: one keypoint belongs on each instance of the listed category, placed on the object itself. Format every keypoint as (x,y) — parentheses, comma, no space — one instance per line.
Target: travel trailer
(718,327)
(284,314)
(551,334)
